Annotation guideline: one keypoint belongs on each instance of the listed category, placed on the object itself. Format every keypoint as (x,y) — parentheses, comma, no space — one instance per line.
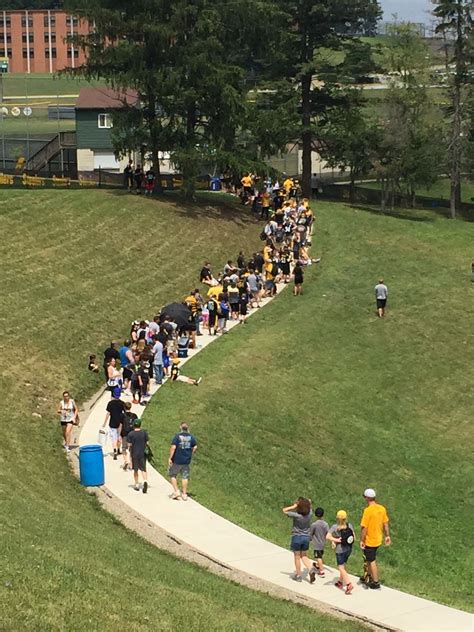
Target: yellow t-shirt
(373,519)
(192,303)
(246,181)
(266,200)
(215,291)
(288,184)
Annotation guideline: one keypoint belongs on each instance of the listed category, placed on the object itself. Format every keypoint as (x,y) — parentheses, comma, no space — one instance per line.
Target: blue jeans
(158,373)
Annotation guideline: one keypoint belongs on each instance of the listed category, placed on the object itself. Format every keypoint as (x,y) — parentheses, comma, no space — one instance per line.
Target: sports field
(78,266)
(316,396)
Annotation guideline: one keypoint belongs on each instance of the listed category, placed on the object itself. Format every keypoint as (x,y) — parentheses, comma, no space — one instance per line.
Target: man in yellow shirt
(247,182)
(288,184)
(374,525)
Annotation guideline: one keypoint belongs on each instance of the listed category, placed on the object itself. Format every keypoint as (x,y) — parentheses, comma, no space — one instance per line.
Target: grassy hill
(316,396)
(77,267)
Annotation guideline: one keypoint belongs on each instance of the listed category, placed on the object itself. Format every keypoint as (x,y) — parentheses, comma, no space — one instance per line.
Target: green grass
(316,396)
(440,190)
(77,267)
(22,84)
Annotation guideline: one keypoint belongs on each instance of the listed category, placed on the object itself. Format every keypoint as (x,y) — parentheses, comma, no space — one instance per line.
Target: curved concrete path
(234,547)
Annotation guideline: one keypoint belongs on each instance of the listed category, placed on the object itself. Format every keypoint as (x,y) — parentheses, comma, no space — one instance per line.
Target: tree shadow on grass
(205,206)
(405,214)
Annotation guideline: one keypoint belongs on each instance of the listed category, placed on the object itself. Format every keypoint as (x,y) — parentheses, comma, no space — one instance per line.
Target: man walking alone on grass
(183,446)
(381,295)
(374,525)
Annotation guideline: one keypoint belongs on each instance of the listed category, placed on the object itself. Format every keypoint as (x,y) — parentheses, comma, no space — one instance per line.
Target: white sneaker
(175,495)
(184,496)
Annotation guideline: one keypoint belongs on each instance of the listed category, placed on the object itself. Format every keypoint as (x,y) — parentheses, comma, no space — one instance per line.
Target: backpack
(347,536)
(127,424)
(279,236)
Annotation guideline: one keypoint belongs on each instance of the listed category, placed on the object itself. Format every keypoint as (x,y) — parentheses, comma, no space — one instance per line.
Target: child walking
(318,532)
(341,535)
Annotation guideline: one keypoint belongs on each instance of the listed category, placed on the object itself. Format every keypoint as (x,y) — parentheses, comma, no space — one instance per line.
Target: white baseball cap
(370,493)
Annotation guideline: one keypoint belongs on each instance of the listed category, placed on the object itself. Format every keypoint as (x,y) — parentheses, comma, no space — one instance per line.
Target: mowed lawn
(316,396)
(77,267)
(440,190)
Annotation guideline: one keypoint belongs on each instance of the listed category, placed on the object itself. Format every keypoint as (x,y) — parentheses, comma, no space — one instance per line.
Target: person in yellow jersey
(247,182)
(288,184)
(375,528)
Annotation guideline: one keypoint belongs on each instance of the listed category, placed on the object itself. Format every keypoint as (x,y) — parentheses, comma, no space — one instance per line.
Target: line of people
(375,530)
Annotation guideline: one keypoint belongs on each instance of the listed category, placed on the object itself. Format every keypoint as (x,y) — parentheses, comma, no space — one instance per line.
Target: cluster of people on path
(341,534)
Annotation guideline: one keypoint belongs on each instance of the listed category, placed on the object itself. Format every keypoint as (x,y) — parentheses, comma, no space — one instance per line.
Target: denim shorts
(299,543)
(342,558)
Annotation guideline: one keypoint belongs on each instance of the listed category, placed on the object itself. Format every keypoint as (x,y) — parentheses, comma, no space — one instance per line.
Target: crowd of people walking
(154,349)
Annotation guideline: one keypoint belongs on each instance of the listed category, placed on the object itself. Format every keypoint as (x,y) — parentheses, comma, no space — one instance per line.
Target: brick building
(35,41)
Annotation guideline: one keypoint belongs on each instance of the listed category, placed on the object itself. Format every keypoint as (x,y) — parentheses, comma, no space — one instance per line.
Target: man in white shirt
(381,295)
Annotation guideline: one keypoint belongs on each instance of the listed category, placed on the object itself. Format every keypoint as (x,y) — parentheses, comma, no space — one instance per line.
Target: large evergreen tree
(187,61)
(309,33)
(455,22)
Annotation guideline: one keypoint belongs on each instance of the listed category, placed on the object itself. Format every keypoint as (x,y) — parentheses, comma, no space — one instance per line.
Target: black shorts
(127,373)
(138,463)
(243,309)
(381,302)
(318,555)
(370,553)
(212,319)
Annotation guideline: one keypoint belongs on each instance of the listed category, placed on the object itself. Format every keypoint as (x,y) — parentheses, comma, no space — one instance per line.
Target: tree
(410,147)
(308,28)
(186,66)
(455,23)
(350,139)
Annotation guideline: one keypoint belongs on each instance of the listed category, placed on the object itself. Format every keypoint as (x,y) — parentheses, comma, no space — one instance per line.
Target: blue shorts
(342,558)
(299,543)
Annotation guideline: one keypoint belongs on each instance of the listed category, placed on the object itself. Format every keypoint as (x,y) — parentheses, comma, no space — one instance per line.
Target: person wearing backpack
(342,537)
(128,420)
(212,308)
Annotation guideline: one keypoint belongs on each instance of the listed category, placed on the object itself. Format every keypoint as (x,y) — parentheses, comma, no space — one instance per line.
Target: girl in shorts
(67,410)
(300,513)
(342,540)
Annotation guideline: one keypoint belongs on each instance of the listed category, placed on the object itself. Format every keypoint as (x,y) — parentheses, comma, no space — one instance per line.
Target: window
(46,23)
(8,52)
(6,22)
(53,53)
(70,20)
(105,121)
(9,38)
(46,38)
(30,22)
(25,53)
(69,53)
(31,38)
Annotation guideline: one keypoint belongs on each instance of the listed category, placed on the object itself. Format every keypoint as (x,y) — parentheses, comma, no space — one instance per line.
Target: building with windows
(36,41)
(94,109)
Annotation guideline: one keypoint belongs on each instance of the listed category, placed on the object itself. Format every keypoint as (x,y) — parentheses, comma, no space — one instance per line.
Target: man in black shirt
(259,261)
(114,417)
(206,274)
(137,441)
(109,353)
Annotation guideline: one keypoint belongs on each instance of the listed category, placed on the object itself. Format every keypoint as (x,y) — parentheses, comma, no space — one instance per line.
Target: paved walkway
(237,548)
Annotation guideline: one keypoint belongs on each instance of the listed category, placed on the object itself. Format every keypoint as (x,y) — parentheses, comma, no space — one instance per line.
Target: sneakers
(115,455)
(296,578)
(125,467)
(339,584)
(321,574)
(175,495)
(184,496)
(136,488)
(374,585)
(312,576)
(349,589)
(198,381)
(145,487)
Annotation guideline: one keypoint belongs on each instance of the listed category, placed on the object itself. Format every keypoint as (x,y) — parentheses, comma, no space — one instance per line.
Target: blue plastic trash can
(91,465)
(215,184)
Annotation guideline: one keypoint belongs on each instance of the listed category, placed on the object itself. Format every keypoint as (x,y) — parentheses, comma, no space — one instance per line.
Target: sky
(414,10)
